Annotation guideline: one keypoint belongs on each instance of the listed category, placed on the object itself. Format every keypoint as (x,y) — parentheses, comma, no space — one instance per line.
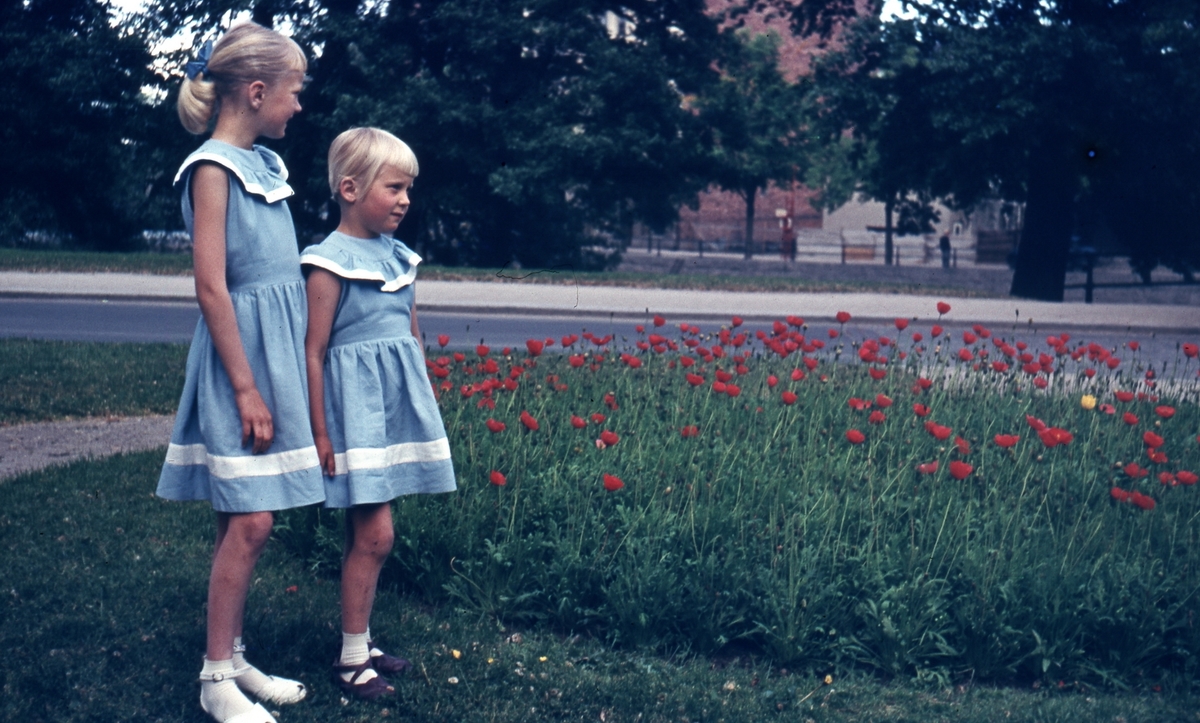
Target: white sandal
(257,714)
(281,691)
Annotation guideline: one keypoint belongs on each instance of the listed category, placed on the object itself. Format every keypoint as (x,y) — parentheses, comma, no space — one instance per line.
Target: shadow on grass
(102,620)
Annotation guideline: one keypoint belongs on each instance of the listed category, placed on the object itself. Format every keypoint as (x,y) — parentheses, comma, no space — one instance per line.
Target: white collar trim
(276,194)
(363,275)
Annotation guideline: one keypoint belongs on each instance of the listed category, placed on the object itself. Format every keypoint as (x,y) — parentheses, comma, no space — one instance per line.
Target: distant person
(242,439)
(944,245)
(375,420)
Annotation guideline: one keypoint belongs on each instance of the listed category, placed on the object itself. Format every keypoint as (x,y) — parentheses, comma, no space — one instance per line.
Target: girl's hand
(257,425)
(325,452)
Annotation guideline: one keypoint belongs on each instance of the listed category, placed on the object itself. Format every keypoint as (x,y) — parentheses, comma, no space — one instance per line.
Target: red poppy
(1119,494)
(534,346)
(1112,362)
(482,350)
(1048,437)
(833,333)
(1156,456)
(1134,471)
(443,339)
(883,401)
(797,375)
(659,321)
(486,402)
(612,483)
(1107,409)
(1006,440)
(877,374)
(965,354)
(497,478)
(1186,478)
(1141,500)
(569,340)
(610,401)
(877,417)
(1130,419)
(1037,424)
(1167,478)
(901,324)
(962,445)
(689,431)
(960,470)
(842,317)
(737,321)
(917,337)
(928,467)
(495,426)
(1089,372)
(924,383)
(1040,383)
(858,404)
(810,363)
(943,308)
(1152,440)
(1191,350)
(577,422)
(855,437)
(609,438)
(772,380)
(788,398)
(1062,435)
(1165,412)
(694,379)
(598,418)
(921,410)
(530,423)
(936,331)
(969,338)
(1000,366)
(940,433)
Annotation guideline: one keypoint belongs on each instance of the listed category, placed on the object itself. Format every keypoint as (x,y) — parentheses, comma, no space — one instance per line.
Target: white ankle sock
(262,686)
(219,694)
(355,652)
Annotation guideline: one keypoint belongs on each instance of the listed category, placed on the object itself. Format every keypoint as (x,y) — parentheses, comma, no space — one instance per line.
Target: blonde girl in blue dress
(241,439)
(375,421)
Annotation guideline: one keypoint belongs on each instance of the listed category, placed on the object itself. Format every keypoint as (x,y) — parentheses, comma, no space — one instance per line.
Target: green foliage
(1065,106)
(769,531)
(42,380)
(755,117)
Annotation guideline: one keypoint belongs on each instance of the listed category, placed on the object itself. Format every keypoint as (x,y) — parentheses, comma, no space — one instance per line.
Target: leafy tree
(536,127)
(1069,106)
(74,123)
(755,117)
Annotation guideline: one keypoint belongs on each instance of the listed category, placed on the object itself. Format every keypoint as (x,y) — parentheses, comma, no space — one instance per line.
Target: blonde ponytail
(197,104)
(245,53)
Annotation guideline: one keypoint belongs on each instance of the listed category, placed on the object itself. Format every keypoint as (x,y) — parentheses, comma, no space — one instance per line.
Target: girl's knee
(254,528)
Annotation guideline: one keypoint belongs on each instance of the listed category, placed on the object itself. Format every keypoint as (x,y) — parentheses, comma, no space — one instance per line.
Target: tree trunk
(1041,267)
(749,195)
(888,208)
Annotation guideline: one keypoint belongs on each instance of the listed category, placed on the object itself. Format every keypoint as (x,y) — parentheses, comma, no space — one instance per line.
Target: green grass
(45,380)
(101,619)
(94,261)
(180,264)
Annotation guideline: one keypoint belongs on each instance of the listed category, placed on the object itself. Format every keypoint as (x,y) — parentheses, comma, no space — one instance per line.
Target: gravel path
(28,447)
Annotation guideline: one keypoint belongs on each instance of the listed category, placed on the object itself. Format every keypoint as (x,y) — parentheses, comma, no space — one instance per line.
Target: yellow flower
(1088,402)
(542,659)
(456,653)
(829,680)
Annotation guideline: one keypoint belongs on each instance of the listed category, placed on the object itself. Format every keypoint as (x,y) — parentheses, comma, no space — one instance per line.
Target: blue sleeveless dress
(383,420)
(206,459)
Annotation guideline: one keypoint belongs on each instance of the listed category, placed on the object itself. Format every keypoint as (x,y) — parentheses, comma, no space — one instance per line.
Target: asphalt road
(145,321)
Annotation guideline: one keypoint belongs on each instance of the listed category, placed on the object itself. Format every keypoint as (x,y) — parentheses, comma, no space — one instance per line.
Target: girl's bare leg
(240,541)
(369,536)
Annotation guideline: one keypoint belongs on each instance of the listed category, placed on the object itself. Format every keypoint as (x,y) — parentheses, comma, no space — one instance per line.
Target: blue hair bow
(200,64)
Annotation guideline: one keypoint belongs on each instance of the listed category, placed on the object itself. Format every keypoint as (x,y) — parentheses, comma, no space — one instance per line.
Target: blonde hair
(245,53)
(361,154)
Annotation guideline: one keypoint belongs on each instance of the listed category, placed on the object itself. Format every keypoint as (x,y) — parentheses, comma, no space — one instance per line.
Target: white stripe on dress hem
(259,465)
(364,458)
(360,275)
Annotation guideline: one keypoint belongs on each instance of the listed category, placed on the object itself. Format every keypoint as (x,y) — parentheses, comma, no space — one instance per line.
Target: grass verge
(180,264)
(45,380)
(102,620)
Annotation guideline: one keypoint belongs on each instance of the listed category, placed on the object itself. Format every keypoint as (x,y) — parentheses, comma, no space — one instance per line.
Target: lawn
(181,264)
(699,525)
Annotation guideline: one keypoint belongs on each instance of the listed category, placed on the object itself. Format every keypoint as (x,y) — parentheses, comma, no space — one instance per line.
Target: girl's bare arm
(324,290)
(210,200)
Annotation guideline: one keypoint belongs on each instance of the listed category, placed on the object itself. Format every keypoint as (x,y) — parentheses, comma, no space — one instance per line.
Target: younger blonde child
(375,421)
